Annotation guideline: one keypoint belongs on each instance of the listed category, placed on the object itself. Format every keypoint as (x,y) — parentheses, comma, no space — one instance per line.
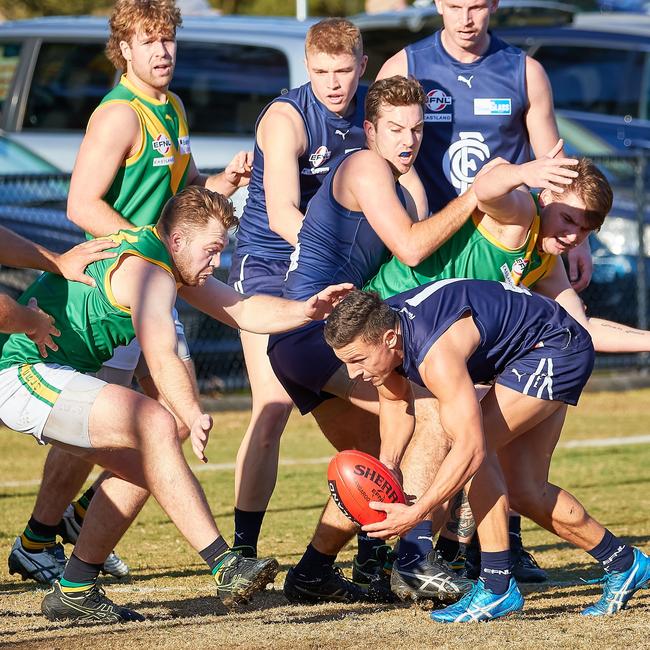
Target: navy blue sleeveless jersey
(512,322)
(334,245)
(329,138)
(474,112)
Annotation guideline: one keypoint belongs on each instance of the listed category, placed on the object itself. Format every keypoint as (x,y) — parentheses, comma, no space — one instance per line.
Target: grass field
(171,588)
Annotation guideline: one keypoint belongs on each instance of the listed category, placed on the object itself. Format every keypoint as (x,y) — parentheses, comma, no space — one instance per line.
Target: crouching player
(447,336)
(132,435)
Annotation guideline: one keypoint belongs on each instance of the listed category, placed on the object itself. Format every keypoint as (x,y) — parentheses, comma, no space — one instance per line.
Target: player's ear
(369,130)
(176,240)
(125,48)
(390,339)
(545,197)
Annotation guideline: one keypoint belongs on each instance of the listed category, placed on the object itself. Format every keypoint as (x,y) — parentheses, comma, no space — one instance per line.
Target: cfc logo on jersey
(464,158)
(438,106)
(320,156)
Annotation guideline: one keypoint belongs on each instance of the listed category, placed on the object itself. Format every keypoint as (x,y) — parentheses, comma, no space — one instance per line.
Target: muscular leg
(526,461)
(260,447)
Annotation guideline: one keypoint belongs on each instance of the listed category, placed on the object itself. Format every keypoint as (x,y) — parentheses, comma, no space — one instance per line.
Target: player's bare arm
(607,336)
(150,293)
(396,419)
(30,320)
(113,136)
(237,174)
(444,371)
(365,182)
(20,252)
(502,192)
(396,65)
(282,138)
(261,314)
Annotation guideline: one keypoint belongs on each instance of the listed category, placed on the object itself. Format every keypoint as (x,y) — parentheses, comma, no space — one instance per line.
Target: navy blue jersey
(474,112)
(329,138)
(334,245)
(511,321)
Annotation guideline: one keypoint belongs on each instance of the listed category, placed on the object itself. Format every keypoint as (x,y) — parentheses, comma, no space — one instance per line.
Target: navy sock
(449,548)
(78,573)
(613,553)
(313,563)
(415,545)
(496,570)
(367,547)
(213,554)
(248,525)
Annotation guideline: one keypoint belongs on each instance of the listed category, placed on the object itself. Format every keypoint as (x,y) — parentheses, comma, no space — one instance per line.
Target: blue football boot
(620,586)
(480,604)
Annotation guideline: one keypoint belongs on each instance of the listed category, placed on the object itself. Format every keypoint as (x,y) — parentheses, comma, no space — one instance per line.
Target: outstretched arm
(607,336)
(502,192)
(261,314)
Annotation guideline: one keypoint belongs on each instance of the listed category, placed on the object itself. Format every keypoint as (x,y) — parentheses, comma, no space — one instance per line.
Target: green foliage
(30,8)
(288,7)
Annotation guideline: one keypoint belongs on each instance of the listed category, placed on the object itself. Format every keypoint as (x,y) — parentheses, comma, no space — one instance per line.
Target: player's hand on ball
(399,520)
(199,434)
(320,306)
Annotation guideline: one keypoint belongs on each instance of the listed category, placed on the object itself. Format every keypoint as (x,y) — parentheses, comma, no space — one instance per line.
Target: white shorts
(126,357)
(49,402)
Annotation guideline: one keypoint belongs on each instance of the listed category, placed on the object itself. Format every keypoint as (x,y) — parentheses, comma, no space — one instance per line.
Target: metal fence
(34,206)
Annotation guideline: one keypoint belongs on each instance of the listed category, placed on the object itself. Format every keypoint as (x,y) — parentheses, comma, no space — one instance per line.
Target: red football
(356,478)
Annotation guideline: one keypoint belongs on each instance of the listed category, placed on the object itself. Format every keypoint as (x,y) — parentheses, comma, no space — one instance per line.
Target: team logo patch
(464,158)
(436,106)
(320,156)
(487,106)
(519,266)
(162,144)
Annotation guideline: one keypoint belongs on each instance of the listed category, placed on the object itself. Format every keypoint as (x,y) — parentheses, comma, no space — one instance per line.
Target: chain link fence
(34,207)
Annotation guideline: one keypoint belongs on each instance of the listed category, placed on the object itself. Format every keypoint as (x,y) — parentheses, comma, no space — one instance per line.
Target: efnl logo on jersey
(438,106)
(317,159)
(162,144)
(464,158)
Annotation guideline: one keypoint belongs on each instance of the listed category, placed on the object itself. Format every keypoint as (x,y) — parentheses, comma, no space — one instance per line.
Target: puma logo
(517,373)
(341,133)
(465,80)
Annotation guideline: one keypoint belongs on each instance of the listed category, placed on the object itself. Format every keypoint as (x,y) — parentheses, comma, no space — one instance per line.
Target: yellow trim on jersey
(548,262)
(113,267)
(494,241)
(183,128)
(139,93)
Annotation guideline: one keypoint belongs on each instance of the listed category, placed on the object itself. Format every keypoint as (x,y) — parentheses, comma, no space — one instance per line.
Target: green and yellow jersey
(158,170)
(473,253)
(91,321)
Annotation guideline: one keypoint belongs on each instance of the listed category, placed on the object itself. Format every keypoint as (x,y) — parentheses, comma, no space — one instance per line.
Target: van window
(69,81)
(224,86)
(9,57)
(595,79)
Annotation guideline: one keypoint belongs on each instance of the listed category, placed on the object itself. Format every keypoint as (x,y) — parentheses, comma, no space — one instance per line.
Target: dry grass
(171,588)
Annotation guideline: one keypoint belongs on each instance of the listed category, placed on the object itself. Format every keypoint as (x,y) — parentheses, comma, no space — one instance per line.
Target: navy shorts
(251,275)
(303,363)
(557,369)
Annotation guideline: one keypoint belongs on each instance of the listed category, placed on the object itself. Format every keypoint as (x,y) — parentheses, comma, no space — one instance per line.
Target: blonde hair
(334,36)
(159,17)
(593,189)
(393,91)
(193,208)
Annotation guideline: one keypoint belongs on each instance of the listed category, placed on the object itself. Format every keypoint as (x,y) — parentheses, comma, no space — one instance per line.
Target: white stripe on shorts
(548,380)
(239,284)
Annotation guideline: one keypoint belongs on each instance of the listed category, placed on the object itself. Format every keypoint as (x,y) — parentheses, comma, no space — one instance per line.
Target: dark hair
(360,314)
(393,91)
(593,189)
(192,208)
